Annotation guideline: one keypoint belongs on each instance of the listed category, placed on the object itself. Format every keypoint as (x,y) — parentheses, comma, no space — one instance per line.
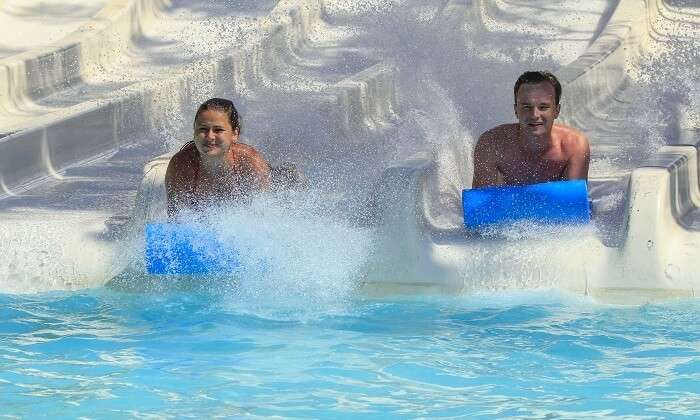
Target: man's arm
(486,173)
(580,157)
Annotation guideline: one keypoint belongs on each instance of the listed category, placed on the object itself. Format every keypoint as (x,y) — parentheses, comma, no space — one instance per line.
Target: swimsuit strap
(186,145)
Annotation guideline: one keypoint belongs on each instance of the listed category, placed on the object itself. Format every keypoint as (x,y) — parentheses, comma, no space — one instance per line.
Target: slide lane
(104,185)
(644,192)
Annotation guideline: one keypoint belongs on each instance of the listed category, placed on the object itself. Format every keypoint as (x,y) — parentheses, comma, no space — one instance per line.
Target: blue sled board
(558,202)
(180,249)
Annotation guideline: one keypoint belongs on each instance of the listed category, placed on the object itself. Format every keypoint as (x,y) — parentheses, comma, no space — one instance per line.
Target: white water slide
(379,102)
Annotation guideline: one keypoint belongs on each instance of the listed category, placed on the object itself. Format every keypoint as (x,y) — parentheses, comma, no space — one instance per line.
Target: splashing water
(296,254)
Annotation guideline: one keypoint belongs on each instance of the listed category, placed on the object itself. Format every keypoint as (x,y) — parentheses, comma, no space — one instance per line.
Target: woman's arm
(177,184)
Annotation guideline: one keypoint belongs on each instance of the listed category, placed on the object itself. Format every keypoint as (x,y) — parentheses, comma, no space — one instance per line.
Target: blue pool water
(209,352)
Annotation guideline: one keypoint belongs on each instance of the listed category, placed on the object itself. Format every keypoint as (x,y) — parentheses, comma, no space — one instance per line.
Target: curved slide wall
(39,23)
(421,243)
(38,72)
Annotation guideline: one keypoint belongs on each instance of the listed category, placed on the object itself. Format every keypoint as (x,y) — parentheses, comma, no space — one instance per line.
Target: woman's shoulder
(188,147)
(185,158)
(187,151)
(247,151)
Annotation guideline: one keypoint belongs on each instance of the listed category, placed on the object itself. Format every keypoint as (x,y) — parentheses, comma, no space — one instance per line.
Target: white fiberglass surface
(28,24)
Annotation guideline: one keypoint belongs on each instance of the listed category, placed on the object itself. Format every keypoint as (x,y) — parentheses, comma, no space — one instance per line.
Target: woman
(214,167)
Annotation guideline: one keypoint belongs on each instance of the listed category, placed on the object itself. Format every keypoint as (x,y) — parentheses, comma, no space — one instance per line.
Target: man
(535,149)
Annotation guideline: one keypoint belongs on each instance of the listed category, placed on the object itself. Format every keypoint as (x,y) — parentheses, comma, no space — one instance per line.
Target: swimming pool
(205,353)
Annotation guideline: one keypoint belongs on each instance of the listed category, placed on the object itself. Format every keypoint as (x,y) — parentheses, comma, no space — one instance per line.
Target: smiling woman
(215,166)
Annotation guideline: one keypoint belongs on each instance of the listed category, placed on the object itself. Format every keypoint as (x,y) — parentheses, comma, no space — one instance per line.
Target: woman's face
(213,134)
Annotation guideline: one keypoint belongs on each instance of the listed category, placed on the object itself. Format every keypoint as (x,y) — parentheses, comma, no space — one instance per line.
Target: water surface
(208,352)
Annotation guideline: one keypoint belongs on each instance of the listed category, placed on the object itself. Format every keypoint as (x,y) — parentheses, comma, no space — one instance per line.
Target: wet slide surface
(29,24)
(350,41)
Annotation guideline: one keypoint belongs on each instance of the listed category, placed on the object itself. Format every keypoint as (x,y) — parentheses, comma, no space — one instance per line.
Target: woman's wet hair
(223,105)
(532,77)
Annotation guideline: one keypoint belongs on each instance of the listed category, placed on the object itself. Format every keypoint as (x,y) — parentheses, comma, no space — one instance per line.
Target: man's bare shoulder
(500,132)
(497,136)
(571,138)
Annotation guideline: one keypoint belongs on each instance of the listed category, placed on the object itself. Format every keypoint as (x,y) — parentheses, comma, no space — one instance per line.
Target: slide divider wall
(37,73)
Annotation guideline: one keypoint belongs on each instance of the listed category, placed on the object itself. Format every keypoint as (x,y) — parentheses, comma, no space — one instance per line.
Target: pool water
(210,351)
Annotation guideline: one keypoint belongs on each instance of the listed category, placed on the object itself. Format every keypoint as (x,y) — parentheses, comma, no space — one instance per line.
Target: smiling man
(534,149)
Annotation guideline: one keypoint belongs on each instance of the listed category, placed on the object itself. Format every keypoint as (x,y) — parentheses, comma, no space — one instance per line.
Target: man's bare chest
(528,171)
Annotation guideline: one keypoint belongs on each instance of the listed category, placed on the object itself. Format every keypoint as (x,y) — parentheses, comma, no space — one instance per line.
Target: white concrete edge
(367,100)
(41,71)
(409,264)
(669,22)
(657,258)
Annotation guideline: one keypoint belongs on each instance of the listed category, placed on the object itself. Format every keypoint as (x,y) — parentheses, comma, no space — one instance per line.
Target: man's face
(536,108)
(213,135)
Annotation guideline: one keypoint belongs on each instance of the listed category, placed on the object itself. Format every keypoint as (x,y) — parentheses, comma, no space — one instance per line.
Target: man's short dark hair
(532,77)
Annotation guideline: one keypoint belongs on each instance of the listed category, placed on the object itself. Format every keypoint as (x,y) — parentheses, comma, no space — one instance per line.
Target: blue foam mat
(558,202)
(181,249)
